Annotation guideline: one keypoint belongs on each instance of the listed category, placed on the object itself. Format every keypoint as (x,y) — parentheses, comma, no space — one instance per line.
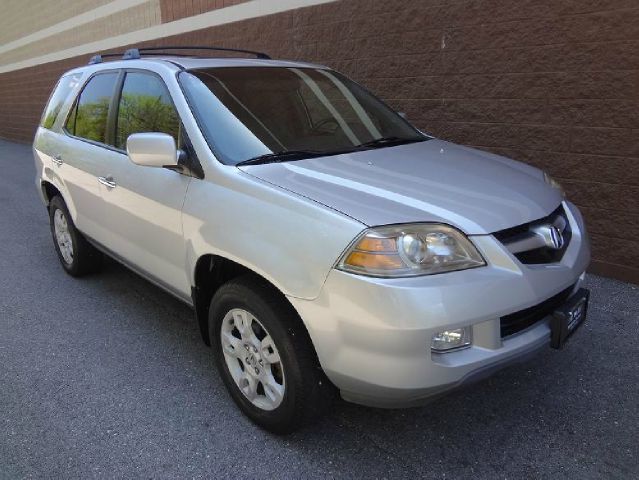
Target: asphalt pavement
(107,377)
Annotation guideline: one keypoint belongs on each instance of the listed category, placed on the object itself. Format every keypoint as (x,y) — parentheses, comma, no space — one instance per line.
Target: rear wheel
(77,256)
(265,356)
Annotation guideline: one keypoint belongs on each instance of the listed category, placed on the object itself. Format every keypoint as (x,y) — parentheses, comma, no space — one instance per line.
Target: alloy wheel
(63,236)
(253,359)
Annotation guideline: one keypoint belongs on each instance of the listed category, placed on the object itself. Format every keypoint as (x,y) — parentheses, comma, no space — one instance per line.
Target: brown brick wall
(554,83)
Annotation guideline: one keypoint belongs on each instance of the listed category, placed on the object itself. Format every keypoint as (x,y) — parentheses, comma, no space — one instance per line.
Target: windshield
(251,112)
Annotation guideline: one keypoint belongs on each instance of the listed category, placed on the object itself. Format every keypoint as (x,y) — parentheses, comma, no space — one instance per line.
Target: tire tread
(86,258)
(314,394)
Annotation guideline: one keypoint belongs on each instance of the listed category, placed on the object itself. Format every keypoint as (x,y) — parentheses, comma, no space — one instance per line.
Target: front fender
(290,240)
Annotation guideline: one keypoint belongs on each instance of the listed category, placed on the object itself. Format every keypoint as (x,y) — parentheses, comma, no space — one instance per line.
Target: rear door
(83,151)
(143,205)
(46,145)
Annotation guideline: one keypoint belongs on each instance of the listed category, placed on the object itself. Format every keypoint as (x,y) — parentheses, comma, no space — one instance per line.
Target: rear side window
(145,106)
(62,90)
(88,119)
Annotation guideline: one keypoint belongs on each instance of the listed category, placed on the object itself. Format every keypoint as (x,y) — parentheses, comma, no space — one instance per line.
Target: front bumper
(373,335)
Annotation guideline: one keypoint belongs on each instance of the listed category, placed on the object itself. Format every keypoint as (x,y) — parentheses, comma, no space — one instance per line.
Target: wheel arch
(49,190)
(210,273)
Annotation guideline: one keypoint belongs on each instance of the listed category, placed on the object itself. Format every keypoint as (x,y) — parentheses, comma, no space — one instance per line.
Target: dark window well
(145,106)
(62,90)
(88,119)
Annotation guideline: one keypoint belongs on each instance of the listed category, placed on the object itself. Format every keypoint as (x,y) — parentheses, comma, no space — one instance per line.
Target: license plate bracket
(567,318)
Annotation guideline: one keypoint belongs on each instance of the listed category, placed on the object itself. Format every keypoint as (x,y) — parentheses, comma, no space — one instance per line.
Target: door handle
(107,182)
(57,159)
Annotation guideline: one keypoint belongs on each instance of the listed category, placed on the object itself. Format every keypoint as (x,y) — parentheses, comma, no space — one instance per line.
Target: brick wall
(115,23)
(21,18)
(554,83)
(177,9)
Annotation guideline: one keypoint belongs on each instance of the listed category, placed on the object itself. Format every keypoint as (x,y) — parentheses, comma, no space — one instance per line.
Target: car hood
(431,181)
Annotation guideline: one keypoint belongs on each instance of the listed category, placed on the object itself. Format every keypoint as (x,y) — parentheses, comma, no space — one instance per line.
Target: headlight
(554,184)
(410,250)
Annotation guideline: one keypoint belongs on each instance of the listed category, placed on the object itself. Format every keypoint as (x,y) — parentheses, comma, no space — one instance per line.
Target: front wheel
(265,356)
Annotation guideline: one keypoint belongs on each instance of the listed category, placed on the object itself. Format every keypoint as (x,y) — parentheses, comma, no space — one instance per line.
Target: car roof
(192,63)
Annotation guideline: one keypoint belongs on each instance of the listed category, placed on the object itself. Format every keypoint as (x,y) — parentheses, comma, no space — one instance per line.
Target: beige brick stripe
(144,14)
(76,21)
(242,11)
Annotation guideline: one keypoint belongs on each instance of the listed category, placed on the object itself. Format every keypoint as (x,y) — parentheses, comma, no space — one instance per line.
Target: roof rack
(98,58)
(136,53)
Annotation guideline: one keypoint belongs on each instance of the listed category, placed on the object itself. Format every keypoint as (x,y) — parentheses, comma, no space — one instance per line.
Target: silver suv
(326,245)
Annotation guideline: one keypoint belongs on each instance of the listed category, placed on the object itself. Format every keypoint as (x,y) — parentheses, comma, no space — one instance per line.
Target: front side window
(88,118)
(247,112)
(145,106)
(63,89)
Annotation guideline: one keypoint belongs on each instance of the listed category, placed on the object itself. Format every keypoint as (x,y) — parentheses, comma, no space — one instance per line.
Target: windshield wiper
(285,156)
(388,141)
(292,155)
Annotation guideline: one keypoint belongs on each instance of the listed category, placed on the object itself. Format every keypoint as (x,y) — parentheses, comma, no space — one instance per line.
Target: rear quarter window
(66,85)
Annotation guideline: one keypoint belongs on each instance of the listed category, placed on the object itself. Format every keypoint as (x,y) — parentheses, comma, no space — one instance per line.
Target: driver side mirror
(152,149)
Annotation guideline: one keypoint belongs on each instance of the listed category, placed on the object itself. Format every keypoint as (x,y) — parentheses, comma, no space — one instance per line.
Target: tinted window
(145,106)
(88,119)
(246,112)
(62,90)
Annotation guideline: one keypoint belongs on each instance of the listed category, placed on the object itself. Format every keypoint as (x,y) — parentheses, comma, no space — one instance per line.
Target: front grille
(518,321)
(529,246)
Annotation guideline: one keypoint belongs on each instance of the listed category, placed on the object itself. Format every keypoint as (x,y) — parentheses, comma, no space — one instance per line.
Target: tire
(305,393)
(77,256)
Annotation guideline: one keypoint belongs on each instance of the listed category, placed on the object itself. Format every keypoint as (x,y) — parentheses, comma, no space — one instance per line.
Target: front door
(143,205)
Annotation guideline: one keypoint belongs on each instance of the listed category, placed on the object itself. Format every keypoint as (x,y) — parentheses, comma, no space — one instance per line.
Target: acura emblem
(551,235)
(556,238)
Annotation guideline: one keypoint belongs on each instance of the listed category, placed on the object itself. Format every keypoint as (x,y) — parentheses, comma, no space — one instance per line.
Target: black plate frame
(563,322)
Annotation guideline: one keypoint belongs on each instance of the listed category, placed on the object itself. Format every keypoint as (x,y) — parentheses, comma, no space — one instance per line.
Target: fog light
(451,339)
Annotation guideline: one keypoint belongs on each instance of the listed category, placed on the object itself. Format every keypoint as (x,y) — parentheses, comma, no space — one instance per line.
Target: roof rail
(136,53)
